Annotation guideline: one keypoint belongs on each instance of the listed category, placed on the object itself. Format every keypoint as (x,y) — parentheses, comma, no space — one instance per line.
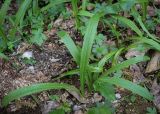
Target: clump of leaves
(151,110)
(30,61)
(99,47)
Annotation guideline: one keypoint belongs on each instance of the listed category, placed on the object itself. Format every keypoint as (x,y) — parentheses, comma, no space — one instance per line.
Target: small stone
(48,106)
(118,96)
(31,69)
(53,59)
(78,112)
(76,107)
(97,97)
(27,54)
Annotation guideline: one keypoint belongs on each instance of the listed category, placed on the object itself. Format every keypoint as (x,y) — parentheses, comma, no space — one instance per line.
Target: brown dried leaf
(133,53)
(157,2)
(158,30)
(151,11)
(79,97)
(78,112)
(48,106)
(155,90)
(154,63)
(137,74)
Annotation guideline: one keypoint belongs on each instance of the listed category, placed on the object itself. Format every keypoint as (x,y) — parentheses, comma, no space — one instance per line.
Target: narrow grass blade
(126,64)
(84,3)
(4,38)
(127,85)
(115,59)
(52,4)
(35,7)
(144,29)
(16,94)
(148,41)
(144,10)
(105,59)
(19,17)
(87,46)
(22,10)
(75,12)
(68,73)
(67,40)
(3,56)
(3,10)
(85,13)
(130,24)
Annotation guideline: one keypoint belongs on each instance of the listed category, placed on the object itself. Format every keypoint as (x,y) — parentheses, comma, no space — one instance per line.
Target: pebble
(76,108)
(27,54)
(118,96)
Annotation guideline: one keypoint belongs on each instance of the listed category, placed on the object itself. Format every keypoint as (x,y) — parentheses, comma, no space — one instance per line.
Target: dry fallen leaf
(151,11)
(79,97)
(96,98)
(158,30)
(154,63)
(48,106)
(157,2)
(155,90)
(137,74)
(78,112)
(133,53)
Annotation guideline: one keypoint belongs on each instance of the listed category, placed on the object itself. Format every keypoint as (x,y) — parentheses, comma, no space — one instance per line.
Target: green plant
(151,110)
(99,47)
(35,89)
(10,38)
(30,61)
(93,73)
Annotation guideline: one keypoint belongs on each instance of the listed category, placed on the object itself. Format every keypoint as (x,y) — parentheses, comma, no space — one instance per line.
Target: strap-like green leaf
(69,43)
(151,42)
(55,2)
(130,24)
(102,62)
(106,89)
(3,10)
(125,64)
(144,29)
(3,56)
(85,13)
(127,85)
(87,46)
(22,10)
(16,94)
